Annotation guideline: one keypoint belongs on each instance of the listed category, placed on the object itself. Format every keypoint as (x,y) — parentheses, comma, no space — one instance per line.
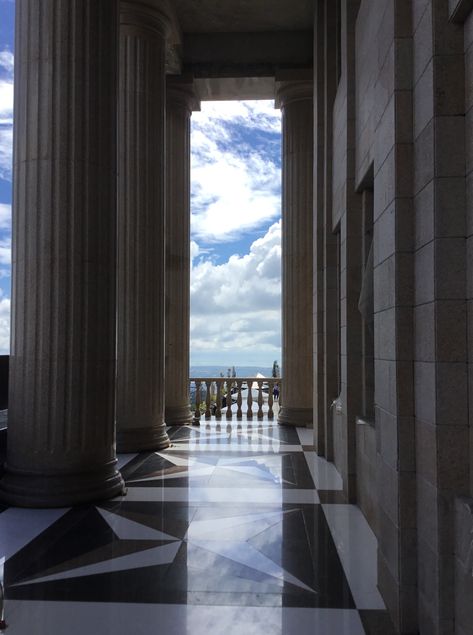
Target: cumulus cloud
(260,115)
(4,325)
(6,113)
(235,169)
(5,216)
(235,306)
(7,61)
(5,240)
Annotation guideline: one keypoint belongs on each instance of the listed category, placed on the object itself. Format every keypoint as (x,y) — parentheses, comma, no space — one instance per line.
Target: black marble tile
(332,497)
(226,554)
(76,533)
(377,622)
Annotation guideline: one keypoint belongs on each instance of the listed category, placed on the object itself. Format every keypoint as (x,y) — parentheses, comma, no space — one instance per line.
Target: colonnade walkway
(237,527)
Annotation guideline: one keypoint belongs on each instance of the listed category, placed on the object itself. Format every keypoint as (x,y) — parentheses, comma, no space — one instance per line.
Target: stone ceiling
(236,48)
(232,16)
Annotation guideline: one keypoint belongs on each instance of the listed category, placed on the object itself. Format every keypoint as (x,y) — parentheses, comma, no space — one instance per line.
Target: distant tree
(276,372)
(229,372)
(221,374)
(234,371)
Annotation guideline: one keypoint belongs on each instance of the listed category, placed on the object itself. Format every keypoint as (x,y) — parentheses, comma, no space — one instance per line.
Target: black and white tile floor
(225,532)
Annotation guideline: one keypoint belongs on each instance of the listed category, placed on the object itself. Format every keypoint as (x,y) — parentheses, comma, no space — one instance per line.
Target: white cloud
(7,61)
(6,152)
(6,114)
(5,240)
(251,114)
(195,250)
(6,101)
(4,325)
(235,185)
(5,216)
(236,316)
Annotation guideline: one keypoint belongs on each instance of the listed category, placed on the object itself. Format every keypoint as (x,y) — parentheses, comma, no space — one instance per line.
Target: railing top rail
(235,378)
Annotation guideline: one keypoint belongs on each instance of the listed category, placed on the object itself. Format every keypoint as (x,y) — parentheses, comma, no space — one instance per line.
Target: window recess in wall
(366,308)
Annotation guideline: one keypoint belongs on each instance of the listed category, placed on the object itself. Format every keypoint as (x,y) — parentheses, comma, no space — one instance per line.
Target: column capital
(180,92)
(158,18)
(292,87)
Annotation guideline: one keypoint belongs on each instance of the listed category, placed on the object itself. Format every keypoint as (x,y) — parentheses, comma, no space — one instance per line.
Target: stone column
(181,101)
(295,99)
(61,442)
(141,228)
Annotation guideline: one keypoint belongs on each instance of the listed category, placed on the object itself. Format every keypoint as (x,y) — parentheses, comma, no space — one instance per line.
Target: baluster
(218,399)
(208,412)
(270,399)
(198,399)
(260,399)
(229,398)
(239,399)
(249,401)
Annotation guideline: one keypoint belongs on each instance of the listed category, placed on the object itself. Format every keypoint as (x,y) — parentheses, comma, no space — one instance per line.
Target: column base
(32,489)
(300,417)
(146,439)
(178,415)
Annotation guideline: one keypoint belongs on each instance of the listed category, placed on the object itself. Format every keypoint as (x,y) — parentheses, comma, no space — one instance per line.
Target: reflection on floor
(224,532)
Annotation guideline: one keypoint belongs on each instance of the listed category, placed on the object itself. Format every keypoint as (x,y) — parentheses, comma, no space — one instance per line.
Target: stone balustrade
(251,397)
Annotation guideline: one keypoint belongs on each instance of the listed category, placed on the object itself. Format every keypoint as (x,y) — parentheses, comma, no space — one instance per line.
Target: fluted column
(181,101)
(141,228)
(61,442)
(295,99)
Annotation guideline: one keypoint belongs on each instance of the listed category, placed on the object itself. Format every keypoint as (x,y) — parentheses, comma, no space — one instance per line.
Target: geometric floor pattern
(223,532)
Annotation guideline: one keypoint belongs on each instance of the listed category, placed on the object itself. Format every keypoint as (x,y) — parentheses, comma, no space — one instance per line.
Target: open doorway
(236,244)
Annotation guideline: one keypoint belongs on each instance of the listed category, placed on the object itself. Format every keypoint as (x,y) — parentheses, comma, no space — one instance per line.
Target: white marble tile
(306,435)
(246,554)
(233,527)
(147,558)
(126,529)
(221,495)
(324,473)
(357,547)
(18,527)
(77,618)
(193,472)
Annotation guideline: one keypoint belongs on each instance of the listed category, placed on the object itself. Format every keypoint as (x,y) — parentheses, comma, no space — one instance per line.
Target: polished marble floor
(235,528)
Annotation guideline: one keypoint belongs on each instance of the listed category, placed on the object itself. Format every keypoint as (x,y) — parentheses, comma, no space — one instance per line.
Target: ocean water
(241,371)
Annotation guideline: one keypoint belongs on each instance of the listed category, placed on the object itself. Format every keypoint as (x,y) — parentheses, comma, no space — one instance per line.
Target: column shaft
(296,103)
(141,229)
(61,443)
(180,103)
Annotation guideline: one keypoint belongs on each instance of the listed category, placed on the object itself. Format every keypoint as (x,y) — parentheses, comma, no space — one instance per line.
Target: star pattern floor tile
(228,518)
(212,469)
(176,554)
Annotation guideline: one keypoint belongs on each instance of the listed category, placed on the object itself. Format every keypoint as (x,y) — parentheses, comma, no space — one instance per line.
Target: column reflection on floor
(223,532)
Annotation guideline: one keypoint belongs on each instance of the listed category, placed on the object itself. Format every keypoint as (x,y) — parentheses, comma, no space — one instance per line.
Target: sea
(241,371)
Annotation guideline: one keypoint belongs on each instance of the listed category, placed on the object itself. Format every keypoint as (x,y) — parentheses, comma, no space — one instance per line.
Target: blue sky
(7,9)
(236,231)
(236,234)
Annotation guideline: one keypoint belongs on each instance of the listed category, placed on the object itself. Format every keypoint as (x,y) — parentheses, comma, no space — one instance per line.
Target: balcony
(250,397)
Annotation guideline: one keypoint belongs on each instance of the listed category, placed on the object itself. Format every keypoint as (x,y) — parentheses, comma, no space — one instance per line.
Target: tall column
(181,101)
(295,99)
(141,228)
(61,444)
